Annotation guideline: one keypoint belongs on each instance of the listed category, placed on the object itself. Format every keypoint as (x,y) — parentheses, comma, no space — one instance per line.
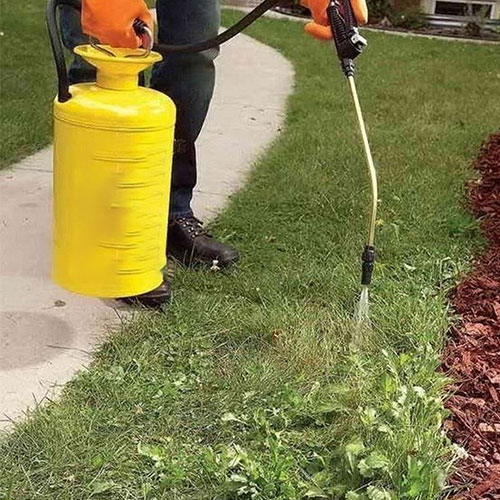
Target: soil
(292,9)
(472,355)
(442,31)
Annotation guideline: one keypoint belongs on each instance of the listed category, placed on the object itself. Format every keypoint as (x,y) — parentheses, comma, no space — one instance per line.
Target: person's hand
(320,27)
(110,21)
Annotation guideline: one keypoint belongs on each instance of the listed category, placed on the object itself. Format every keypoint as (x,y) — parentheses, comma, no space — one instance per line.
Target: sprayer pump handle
(144,33)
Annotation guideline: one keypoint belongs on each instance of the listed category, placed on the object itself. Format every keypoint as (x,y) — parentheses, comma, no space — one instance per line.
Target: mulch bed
(485,35)
(472,355)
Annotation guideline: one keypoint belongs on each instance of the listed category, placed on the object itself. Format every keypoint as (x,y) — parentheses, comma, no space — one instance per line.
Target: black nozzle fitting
(348,42)
(368,262)
(348,67)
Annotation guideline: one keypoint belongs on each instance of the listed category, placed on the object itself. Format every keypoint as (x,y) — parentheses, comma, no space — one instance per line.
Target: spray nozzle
(348,42)
(368,262)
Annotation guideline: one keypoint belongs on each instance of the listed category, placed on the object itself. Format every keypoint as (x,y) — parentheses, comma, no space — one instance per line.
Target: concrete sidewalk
(46,333)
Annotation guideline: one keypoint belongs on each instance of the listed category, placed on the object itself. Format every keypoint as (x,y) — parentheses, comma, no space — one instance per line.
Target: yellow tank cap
(103,52)
(117,68)
(116,101)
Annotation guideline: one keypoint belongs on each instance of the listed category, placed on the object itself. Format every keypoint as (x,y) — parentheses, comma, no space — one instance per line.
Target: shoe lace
(193,225)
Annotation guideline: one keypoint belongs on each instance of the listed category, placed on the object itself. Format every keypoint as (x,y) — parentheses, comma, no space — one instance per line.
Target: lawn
(27,80)
(246,387)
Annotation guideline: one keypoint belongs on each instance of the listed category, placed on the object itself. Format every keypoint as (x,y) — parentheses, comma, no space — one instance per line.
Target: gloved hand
(320,27)
(110,21)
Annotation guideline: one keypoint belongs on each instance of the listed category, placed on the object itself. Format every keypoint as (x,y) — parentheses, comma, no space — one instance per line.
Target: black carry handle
(348,42)
(223,37)
(63,93)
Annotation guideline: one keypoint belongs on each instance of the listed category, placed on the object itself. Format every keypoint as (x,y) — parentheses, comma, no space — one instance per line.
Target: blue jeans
(188,79)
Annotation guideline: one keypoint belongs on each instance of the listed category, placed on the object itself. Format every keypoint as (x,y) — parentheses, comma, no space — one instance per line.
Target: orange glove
(110,21)
(320,27)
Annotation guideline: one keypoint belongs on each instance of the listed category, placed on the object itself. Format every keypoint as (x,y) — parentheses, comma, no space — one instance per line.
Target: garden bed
(293,9)
(458,33)
(473,352)
(415,24)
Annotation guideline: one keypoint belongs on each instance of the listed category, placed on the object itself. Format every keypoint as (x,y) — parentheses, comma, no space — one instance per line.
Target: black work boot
(189,243)
(154,299)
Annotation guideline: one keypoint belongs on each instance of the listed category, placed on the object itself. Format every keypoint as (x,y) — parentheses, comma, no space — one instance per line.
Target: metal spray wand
(349,45)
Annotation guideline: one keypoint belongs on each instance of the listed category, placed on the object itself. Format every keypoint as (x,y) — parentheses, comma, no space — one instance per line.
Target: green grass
(246,387)
(27,80)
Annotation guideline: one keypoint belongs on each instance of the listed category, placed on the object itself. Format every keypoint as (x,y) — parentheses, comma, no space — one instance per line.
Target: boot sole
(146,303)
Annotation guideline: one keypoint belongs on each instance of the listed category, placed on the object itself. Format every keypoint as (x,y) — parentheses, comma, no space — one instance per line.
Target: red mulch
(472,355)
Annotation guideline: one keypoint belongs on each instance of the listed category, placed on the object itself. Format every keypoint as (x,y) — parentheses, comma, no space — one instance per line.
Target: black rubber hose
(57,49)
(231,32)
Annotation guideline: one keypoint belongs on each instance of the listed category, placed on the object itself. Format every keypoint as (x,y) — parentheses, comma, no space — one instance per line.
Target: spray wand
(349,45)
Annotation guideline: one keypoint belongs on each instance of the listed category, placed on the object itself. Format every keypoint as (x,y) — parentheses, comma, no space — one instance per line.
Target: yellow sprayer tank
(113,145)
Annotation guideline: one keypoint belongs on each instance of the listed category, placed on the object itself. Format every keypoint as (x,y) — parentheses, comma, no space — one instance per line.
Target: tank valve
(368,259)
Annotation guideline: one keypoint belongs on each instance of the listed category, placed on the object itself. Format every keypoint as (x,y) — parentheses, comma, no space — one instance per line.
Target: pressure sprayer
(113,146)
(113,152)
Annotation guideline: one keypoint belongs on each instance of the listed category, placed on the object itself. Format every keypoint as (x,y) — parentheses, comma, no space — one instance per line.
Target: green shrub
(401,13)
(378,9)
(409,18)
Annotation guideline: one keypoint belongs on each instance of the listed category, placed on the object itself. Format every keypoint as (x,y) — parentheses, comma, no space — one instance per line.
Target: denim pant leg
(189,80)
(72,35)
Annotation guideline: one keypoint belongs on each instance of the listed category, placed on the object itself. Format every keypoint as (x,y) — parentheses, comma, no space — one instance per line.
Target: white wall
(428,6)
